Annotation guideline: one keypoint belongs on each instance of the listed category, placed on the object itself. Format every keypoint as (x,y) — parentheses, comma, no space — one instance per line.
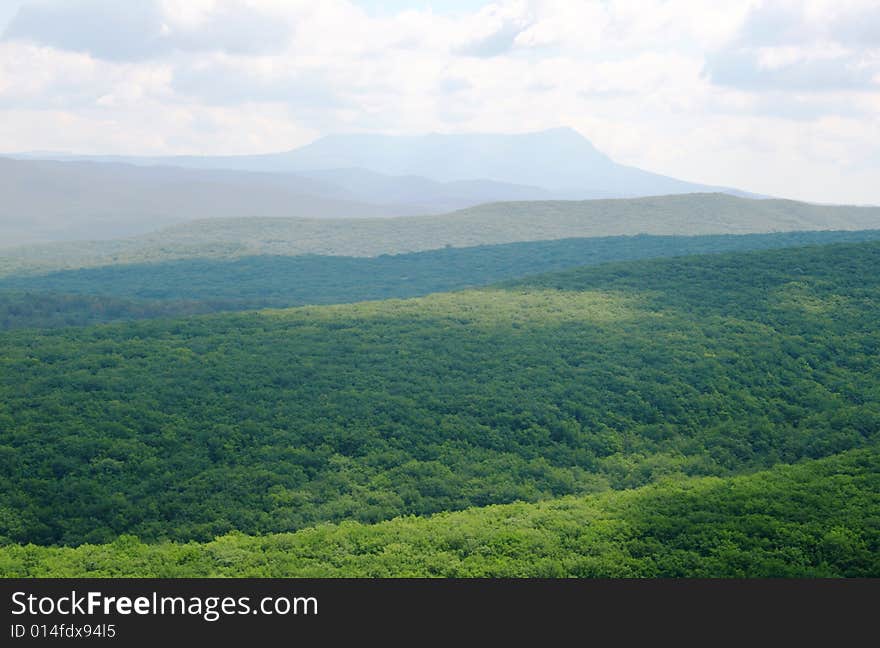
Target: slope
(571,383)
(190,286)
(46,201)
(693,214)
(815,519)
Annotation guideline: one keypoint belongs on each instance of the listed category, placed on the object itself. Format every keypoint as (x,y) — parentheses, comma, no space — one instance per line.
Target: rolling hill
(44,201)
(190,286)
(814,519)
(571,383)
(692,214)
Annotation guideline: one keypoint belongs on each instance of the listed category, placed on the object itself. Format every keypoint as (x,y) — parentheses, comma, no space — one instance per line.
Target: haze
(775,98)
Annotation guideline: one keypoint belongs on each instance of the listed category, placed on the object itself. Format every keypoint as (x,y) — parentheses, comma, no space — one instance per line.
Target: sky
(776,97)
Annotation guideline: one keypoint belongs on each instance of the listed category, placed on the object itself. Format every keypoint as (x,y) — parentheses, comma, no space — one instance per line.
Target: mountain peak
(557,161)
(553,158)
(563,131)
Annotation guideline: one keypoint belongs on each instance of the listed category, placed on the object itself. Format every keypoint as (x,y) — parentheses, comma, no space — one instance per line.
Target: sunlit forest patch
(571,383)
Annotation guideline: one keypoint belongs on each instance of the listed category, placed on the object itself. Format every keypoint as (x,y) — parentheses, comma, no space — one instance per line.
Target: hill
(571,383)
(104,197)
(815,519)
(693,214)
(44,201)
(190,286)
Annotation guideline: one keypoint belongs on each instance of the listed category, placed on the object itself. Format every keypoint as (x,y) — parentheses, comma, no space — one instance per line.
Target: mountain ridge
(559,160)
(50,200)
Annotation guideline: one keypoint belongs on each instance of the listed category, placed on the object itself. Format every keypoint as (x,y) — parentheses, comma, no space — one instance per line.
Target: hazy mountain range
(560,161)
(55,196)
(45,201)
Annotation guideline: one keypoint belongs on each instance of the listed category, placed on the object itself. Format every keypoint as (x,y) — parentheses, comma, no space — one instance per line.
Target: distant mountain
(432,195)
(690,214)
(55,200)
(44,201)
(560,162)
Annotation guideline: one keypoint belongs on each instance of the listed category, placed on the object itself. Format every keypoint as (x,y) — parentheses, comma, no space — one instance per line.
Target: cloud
(776,97)
(806,47)
(130,31)
(229,80)
(810,71)
(861,28)
(495,29)
(39,77)
(103,28)
(451,85)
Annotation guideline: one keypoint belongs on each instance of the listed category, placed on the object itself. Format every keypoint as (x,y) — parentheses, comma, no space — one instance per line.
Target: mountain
(691,214)
(70,199)
(355,176)
(432,195)
(46,201)
(560,162)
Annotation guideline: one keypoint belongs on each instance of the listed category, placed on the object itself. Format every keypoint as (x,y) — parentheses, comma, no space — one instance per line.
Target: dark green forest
(53,310)
(569,384)
(191,286)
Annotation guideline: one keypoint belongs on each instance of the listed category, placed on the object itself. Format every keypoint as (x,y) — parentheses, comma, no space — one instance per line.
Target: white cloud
(140,30)
(775,97)
(812,46)
(495,30)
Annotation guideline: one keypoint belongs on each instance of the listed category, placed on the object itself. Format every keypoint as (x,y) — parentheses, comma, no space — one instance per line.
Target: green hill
(816,519)
(690,214)
(571,383)
(191,286)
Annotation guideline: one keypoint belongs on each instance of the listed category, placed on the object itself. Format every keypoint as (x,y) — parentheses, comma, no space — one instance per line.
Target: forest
(481,225)
(818,518)
(475,289)
(185,287)
(611,385)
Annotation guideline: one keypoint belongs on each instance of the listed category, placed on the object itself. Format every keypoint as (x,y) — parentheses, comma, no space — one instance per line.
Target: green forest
(659,398)
(818,518)
(186,287)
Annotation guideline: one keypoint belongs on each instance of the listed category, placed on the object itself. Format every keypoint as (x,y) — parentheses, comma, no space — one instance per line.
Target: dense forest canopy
(819,518)
(271,306)
(191,286)
(565,384)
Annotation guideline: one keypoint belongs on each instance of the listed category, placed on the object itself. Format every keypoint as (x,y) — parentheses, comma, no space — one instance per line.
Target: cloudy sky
(775,97)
